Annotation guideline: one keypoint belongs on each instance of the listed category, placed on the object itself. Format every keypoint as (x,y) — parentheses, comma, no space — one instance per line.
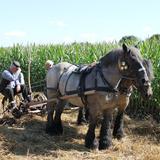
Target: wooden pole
(76,95)
(33,104)
(29,70)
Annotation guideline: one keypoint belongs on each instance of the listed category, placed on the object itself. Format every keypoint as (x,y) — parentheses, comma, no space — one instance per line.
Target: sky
(67,21)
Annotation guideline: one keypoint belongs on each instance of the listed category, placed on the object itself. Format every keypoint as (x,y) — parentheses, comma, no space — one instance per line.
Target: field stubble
(27,140)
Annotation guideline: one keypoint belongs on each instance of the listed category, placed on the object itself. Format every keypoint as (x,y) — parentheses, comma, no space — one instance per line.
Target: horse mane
(135,51)
(111,58)
(149,68)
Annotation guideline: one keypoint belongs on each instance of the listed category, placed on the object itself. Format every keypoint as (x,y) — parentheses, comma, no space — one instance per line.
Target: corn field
(78,53)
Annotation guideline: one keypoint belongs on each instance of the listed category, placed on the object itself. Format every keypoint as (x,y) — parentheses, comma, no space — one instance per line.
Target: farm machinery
(37,105)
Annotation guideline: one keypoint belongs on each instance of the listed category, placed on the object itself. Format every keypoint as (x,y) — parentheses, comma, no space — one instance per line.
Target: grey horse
(98,88)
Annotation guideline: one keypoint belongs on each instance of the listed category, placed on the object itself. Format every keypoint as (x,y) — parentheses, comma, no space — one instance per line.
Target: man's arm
(11,78)
(8,76)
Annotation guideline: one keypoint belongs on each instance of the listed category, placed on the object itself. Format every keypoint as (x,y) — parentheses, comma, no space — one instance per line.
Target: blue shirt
(12,78)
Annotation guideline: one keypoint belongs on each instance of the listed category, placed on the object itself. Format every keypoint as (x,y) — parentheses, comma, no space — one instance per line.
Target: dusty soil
(27,140)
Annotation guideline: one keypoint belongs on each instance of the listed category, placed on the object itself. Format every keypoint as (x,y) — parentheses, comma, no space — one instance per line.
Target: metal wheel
(5,105)
(38,104)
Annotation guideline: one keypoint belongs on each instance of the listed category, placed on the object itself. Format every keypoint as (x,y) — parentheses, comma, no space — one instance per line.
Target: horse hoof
(49,131)
(104,145)
(93,146)
(118,135)
(54,132)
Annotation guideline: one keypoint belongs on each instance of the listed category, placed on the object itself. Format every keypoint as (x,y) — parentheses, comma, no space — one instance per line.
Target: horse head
(133,67)
(146,88)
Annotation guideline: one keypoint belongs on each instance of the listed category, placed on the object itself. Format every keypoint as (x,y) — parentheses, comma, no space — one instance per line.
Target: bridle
(122,65)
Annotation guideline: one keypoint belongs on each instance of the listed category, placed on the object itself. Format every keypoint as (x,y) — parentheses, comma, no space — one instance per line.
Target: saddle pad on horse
(69,79)
(72,80)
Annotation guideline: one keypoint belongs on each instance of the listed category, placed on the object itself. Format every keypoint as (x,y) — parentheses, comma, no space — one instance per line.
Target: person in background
(49,64)
(10,86)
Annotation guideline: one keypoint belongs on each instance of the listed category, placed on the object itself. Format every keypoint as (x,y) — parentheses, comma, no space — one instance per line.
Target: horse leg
(81,116)
(49,124)
(90,140)
(86,114)
(105,131)
(58,128)
(118,126)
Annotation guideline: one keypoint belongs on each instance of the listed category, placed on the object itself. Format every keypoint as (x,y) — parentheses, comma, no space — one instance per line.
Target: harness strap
(106,83)
(82,86)
(83,72)
(66,69)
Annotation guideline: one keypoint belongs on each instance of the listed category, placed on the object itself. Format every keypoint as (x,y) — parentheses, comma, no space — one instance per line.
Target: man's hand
(18,88)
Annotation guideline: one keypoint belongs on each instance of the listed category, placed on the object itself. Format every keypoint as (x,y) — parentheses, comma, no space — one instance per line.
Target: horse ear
(125,48)
(136,46)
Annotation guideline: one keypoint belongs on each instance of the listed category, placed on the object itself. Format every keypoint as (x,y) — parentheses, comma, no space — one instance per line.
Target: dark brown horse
(126,88)
(120,67)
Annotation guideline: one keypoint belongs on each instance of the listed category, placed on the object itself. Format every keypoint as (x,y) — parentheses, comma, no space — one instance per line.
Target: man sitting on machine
(11,85)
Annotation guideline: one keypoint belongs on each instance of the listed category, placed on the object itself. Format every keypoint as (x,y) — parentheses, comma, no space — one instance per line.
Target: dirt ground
(27,140)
